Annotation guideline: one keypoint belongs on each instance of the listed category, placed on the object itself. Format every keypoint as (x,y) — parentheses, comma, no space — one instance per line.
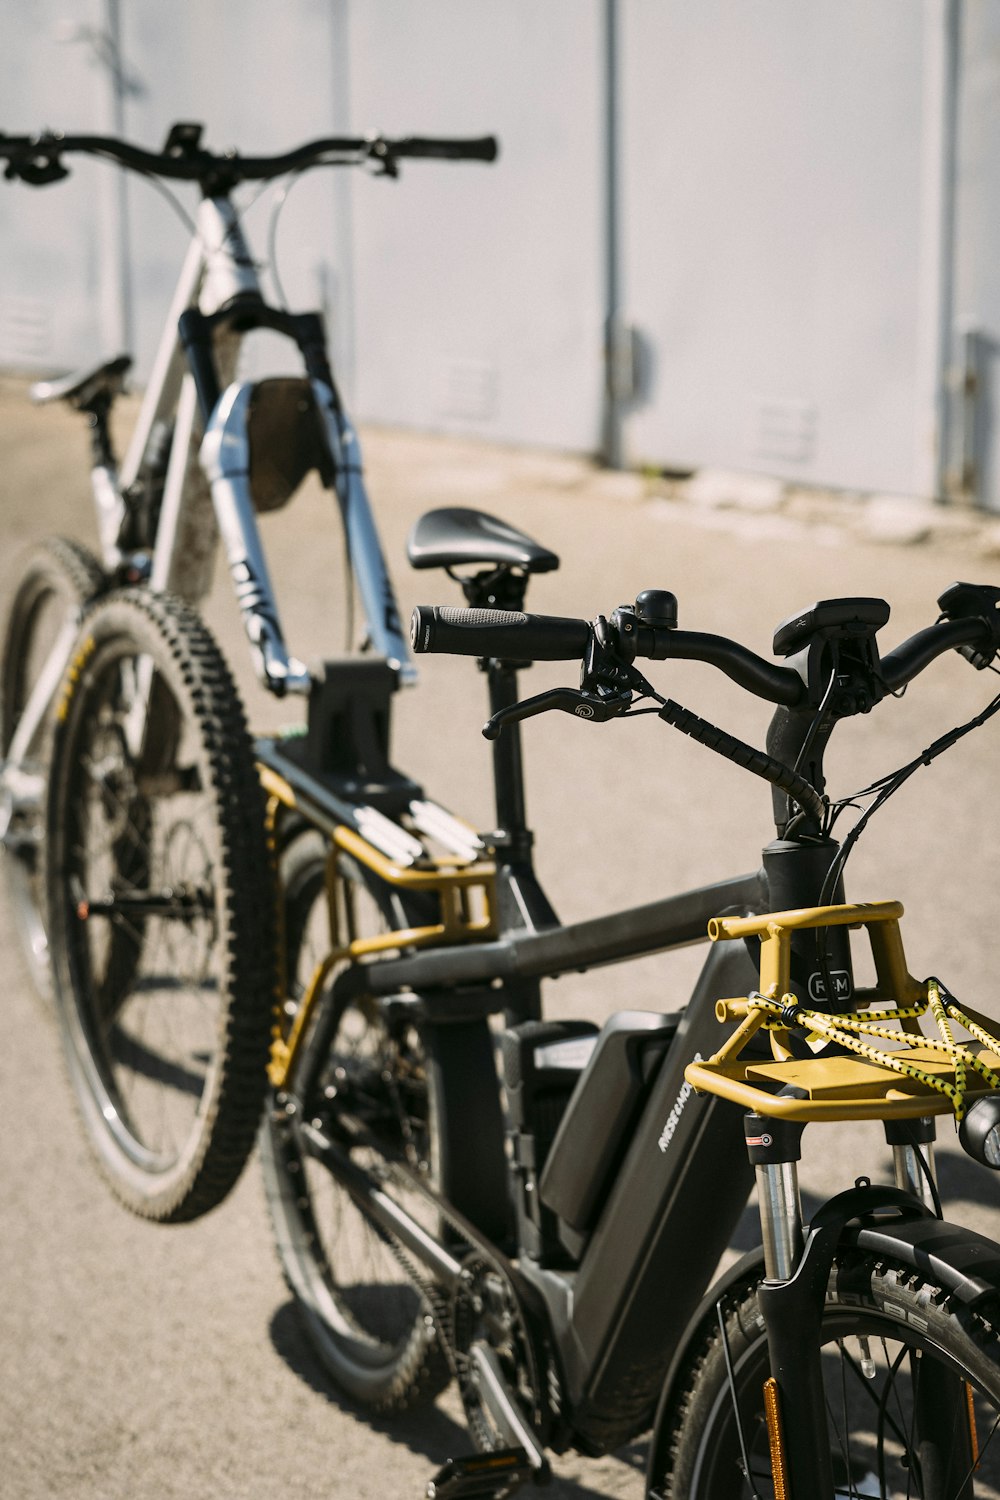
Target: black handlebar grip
(498,632)
(479,148)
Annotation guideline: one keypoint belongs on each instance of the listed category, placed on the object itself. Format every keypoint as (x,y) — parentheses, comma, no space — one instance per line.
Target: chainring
(485,1309)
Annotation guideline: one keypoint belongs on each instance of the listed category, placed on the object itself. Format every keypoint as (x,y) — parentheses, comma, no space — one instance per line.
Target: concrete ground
(137,1361)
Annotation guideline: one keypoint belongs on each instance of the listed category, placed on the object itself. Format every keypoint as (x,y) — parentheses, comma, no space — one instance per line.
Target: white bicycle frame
(218,268)
(208,495)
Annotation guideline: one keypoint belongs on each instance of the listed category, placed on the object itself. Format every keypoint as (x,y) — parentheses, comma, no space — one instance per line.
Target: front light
(979,1132)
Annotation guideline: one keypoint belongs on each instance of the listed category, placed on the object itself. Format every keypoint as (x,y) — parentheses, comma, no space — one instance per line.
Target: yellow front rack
(912,1076)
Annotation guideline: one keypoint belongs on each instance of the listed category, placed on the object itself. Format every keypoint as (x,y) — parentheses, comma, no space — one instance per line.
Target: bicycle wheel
(161,906)
(59,577)
(889,1341)
(371,1327)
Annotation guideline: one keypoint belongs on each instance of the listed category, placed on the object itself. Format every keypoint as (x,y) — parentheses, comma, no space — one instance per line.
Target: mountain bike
(131,816)
(530,1234)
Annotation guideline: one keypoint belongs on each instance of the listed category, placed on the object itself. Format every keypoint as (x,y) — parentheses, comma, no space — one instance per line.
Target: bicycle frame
(684,1175)
(219,274)
(208,494)
(614,1334)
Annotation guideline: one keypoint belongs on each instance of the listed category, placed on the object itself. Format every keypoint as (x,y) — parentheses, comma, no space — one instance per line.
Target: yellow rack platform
(919,1077)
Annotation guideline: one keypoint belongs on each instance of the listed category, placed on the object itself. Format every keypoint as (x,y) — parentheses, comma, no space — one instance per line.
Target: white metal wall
(975,448)
(776,261)
(54,301)
(478,289)
(785,227)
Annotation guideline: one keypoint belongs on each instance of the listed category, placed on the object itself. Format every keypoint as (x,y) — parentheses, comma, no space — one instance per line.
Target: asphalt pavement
(138,1361)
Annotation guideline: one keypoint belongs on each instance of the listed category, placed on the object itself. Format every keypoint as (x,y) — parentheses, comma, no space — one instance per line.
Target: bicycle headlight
(979,1132)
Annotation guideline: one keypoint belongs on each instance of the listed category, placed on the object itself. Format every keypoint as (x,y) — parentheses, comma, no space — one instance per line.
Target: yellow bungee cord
(849,1029)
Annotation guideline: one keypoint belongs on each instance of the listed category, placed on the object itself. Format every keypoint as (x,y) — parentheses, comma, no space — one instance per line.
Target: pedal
(481,1476)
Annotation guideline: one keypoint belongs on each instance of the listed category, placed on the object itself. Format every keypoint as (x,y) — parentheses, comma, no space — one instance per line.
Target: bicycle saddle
(455,535)
(80,387)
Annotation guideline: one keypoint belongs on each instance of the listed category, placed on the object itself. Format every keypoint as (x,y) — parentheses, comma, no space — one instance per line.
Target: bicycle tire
(161,906)
(58,578)
(696,1454)
(370,1326)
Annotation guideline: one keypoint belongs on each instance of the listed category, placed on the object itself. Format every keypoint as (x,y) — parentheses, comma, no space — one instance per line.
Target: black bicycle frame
(615,1324)
(685,1167)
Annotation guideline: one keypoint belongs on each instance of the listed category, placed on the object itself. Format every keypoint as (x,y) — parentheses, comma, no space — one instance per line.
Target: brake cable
(884,788)
(728,746)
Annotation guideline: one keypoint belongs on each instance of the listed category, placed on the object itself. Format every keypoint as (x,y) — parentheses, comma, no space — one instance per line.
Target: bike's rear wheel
(371,1327)
(161,906)
(912,1388)
(58,578)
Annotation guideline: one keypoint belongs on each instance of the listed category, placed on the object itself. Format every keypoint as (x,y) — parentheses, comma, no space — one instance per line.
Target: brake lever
(583,705)
(976,601)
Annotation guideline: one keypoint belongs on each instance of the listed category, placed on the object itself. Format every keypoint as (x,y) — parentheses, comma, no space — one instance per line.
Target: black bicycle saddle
(81,386)
(455,535)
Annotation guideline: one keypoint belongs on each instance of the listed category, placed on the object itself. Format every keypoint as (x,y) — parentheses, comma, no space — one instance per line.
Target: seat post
(508,768)
(456,538)
(521,902)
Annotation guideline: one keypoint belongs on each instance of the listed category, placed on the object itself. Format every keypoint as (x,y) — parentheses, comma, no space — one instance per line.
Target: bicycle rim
(912,1393)
(58,578)
(161,907)
(370,1324)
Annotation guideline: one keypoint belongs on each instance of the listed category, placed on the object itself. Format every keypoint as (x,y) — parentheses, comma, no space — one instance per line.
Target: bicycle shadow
(429,1432)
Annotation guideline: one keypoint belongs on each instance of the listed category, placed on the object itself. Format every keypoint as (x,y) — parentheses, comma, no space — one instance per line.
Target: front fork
(225,459)
(797,1270)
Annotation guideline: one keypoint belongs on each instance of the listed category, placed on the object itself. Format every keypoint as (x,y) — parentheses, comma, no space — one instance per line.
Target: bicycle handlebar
(971,624)
(518,636)
(511,634)
(910,658)
(37,160)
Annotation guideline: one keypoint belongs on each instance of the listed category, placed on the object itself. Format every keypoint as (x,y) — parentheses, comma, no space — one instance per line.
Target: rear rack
(465,888)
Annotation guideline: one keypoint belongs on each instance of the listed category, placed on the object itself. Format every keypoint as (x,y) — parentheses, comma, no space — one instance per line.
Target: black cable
(817,721)
(928,1176)
(890,784)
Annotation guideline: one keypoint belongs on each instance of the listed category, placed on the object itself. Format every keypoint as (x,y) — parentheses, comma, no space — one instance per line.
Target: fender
(965,1265)
(880,1220)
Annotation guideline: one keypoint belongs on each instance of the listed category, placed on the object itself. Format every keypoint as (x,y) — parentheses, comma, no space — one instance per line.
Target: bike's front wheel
(57,579)
(161,906)
(912,1387)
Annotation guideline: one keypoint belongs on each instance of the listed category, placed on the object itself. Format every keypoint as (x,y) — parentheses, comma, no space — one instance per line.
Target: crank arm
(503,1407)
(145,904)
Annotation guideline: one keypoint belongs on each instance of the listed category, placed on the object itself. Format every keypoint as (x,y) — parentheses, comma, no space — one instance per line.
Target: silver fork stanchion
(791,1301)
(912,1143)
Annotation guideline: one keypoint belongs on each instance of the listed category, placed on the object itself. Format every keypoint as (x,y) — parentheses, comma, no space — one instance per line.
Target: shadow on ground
(429,1431)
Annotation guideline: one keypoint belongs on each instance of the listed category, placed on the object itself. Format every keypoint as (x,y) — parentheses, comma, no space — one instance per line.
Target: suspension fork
(791,1300)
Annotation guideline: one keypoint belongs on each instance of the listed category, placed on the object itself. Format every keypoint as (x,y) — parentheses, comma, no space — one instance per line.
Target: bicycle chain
(480,1255)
